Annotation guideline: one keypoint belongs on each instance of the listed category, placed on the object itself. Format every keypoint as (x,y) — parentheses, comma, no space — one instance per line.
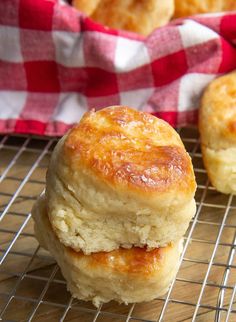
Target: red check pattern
(55,64)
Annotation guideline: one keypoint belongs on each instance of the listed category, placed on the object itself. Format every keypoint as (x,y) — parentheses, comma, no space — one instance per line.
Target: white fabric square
(193,33)
(130,54)
(191,89)
(10,49)
(69,48)
(11,104)
(71,107)
(136,98)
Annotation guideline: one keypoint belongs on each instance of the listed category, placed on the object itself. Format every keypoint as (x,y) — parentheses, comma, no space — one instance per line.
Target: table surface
(32,288)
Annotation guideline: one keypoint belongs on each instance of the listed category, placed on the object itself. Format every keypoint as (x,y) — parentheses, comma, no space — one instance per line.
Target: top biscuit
(120,178)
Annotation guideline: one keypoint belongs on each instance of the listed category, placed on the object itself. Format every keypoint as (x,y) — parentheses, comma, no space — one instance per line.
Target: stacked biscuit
(119,197)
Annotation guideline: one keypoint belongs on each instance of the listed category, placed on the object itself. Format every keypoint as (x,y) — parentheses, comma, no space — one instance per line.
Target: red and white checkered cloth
(55,64)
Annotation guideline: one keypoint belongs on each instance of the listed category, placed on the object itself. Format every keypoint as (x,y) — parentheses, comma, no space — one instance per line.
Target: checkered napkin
(55,64)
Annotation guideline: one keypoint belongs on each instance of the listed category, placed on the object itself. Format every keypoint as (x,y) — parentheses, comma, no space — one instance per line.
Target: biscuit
(217,125)
(86,6)
(184,8)
(141,16)
(124,275)
(120,178)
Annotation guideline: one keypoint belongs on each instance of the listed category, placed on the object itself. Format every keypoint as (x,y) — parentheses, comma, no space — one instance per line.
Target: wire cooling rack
(32,288)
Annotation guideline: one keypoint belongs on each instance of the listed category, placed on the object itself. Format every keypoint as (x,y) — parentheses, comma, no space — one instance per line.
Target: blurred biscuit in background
(141,16)
(184,8)
(217,125)
(86,6)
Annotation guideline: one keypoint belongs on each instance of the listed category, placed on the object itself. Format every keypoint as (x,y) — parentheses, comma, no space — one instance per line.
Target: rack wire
(33,289)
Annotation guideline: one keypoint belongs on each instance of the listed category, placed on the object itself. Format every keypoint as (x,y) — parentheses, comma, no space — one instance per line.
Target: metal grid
(32,288)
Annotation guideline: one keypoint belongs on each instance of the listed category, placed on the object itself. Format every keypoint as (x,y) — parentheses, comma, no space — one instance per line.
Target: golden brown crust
(134,260)
(229,5)
(217,117)
(184,8)
(124,147)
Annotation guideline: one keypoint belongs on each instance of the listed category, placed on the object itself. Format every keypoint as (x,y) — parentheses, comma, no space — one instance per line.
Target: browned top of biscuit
(125,147)
(217,119)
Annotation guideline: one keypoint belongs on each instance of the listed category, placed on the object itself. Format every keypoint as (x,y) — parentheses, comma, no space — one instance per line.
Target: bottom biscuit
(124,275)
